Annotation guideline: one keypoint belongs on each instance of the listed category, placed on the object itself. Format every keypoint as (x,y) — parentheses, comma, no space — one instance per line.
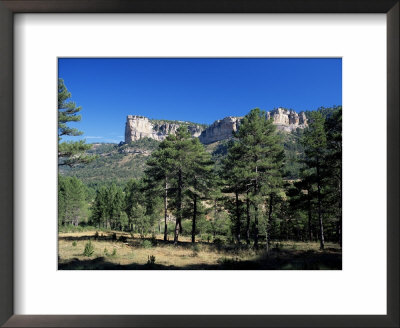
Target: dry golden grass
(131,254)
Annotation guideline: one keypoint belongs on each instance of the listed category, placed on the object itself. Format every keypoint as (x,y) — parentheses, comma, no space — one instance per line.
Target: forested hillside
(259,187)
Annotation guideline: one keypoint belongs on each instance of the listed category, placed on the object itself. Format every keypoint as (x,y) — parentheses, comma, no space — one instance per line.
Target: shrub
(74,243)
(146,243)
(96,235)
(105,251)
(228,261)
(89,249)
(206,237)
(151,259)
(114,252)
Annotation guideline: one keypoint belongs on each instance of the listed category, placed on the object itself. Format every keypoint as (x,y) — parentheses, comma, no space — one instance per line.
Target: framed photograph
(198,158)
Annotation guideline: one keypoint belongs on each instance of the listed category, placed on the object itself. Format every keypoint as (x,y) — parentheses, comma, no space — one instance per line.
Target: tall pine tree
(69,153)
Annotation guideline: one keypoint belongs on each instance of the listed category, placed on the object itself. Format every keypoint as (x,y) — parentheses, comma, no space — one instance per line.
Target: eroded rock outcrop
(220,130)
(139,127)
(287,120)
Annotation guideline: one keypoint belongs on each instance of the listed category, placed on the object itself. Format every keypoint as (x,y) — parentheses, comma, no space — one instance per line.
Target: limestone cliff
(284,119)
(139,127)
(287,120)
(220,130)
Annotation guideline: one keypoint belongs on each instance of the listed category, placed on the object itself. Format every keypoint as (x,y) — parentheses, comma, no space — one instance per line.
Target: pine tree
(314,141)
(233,173)
(261,157)
(333,164)
(199,178)
(160,173)
(183,155)
(72,207)
(134,197)
(100,208)
(69,153)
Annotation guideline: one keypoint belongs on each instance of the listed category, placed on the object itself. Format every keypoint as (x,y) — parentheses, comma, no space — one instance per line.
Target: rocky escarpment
(287,120)
(220,130)
(139,127)
(284,119)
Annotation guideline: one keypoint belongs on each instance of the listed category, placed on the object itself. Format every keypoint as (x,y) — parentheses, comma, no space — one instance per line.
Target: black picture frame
(7,10)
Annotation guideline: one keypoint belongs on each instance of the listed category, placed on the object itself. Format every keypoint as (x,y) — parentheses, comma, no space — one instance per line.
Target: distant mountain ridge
(138,127)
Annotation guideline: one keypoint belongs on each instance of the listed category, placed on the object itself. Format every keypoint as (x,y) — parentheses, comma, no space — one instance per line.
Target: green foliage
(146,243)
(185,124)
(69,153)
(89,249)
(113,163)
(74,243)
(144,144)
(180,172)
(262,184)
(72,205)
(254,167)
(108,208)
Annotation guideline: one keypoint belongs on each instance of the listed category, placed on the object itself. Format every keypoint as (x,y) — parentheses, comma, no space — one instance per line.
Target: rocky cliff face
(287,120)
(139,127)
(284,119)
(220,130)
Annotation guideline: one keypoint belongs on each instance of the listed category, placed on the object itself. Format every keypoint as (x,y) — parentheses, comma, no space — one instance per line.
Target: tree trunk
(248,219)
(165,210)
(309,214)
(178,225)
(256,226)
(267,240)
(321,225)
(194,219)
(237,217)
(256,213)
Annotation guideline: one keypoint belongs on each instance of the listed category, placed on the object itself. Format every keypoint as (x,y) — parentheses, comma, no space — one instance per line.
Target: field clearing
(131,252)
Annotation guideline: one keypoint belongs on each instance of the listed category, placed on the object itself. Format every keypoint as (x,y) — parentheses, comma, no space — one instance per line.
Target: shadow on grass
(137,241)
(300,260)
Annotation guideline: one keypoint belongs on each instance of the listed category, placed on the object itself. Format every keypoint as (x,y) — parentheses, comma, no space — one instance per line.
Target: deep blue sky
(197,90)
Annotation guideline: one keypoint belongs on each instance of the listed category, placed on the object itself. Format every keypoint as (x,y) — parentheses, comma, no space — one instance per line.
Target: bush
(96,235)
(228,261)
(206,237)
(146,243)
(114,252)
(151,259)
(74,243)
(89,249)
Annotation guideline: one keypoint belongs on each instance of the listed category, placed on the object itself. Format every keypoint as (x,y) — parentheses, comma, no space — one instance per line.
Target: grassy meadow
(114,250)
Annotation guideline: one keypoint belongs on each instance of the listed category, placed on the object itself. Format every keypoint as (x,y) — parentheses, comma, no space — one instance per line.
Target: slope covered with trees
(258,189)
